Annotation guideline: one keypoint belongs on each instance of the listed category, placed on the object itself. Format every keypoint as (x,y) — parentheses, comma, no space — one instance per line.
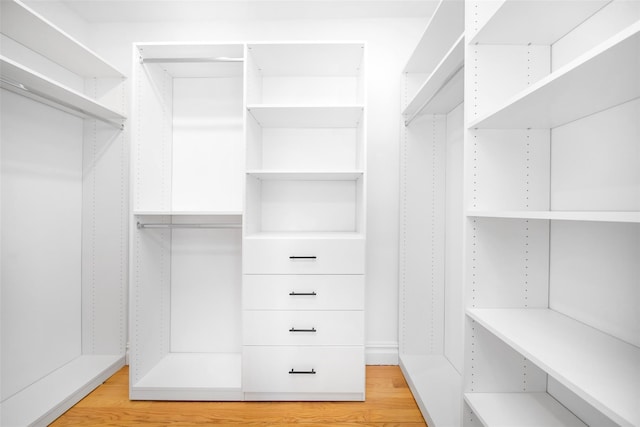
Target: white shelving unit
(187,218)
(305,220)
(432,217)
(64,350)
(552,201)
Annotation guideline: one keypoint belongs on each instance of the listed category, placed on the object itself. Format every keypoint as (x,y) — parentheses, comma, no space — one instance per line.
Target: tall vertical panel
(41,240)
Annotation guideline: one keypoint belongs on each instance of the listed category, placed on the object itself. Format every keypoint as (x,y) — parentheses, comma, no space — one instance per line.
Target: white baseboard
(381,353)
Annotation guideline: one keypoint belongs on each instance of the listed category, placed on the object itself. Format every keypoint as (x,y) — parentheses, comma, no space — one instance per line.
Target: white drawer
(303,328)
(303,292)
(303,369)
(303,256)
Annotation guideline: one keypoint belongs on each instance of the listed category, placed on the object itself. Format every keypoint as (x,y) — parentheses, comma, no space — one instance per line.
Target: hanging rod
(53,102)
(184,60)
(428,101)
(141,225)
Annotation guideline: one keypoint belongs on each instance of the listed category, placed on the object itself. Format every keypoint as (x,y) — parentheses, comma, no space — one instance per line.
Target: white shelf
(48,398)
(189,213)
(600,216)
(192,376)
(307,116)
(520,410)
(597,367)
(444,88)
(436,386)
(601,78)
(535,22)
(446,24)
(31,84)
(33,31)
(306,175)
(308,59)
(322,235)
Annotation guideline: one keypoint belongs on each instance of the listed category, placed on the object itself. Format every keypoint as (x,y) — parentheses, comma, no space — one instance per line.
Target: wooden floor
(389,403)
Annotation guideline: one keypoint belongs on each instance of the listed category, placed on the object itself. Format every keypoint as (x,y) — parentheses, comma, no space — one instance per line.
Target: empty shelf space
(307,116)
(306,176)
(31,84)
(599,368)
(48,398)
(604,77)
(444,88)
(520,410)
(232,214)
(192,376)
(600,216)
(35,32)
(535,22)
(436,386)
(443,28)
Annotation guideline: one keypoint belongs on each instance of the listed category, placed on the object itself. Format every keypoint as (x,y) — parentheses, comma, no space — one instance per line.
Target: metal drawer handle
(311,372)
(302,330)
(297,294)
(303,257)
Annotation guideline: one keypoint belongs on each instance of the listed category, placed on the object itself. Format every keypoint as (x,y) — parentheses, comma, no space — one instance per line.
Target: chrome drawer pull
(303,257)
(311,372)
(297,294)
(302,330)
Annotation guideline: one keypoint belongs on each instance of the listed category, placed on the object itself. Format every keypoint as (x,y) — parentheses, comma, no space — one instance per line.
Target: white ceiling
(95,11)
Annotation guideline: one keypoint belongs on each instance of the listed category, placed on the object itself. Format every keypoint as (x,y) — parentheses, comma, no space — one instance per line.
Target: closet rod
(40,97)
(428,101)
(185,60)
(160,225)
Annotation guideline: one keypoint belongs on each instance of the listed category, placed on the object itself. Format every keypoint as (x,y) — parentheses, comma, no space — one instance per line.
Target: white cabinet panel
(303,328)
(303,369)
(303,256)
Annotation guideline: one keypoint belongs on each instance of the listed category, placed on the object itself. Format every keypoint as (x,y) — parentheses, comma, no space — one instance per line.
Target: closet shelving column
(304,241)
(188,181)
(431,314)
(55,354)
(552,178)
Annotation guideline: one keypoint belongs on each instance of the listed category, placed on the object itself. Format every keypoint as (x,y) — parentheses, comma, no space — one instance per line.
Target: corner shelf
(436,385)
(307,116)
(444,88)
(610,71)
(520,410)
(306,175)
(30,29)
(31,84)
(601,216)
(597,367)
(535,22)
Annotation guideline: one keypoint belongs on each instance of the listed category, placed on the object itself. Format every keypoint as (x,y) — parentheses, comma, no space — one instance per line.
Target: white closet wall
(64,221)
(552,200)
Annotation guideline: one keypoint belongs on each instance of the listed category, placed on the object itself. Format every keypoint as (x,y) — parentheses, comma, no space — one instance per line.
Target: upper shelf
(306,116)
(307,59)
(599,216)
(602,78)
(444,88)
(535,21)
(444,27)
(267,175)
(30,29)
(597,367)
(29,83)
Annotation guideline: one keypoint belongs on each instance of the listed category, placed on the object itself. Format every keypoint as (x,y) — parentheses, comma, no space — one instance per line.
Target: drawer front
(303,292)
(303,369)
(303,328)
(304,256)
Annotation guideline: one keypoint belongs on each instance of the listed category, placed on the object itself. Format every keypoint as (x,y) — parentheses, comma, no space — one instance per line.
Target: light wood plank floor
(389,403)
